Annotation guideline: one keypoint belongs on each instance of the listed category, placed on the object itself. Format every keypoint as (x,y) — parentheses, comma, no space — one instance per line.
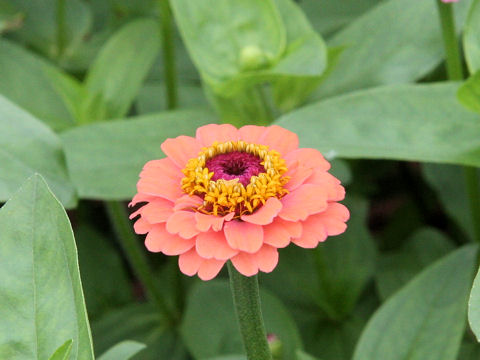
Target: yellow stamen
(222,197)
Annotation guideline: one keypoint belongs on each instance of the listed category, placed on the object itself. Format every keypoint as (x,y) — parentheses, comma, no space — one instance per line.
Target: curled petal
(308,199)
(244,236)
(160,240)
(183,224)
(142,226)
(298,174)
(213,244)
(334,218)
(335,191)
(313,232)
(265,214)
(281,232)
(205,222)
(181,149)
(157,211)
(171,178)
(138,198)
(208,134)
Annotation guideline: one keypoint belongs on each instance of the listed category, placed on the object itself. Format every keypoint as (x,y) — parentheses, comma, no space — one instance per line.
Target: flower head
(239,195)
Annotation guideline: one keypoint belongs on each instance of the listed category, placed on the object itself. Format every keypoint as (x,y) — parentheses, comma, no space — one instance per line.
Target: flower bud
(252,58)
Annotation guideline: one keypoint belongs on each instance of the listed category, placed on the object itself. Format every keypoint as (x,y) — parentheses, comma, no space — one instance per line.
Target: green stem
(246,298)
(61,31)
(135,255)
(455,72)
(168,45)
(450,41)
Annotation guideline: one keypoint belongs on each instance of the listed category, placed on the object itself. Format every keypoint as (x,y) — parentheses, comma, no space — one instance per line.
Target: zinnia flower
(238,195)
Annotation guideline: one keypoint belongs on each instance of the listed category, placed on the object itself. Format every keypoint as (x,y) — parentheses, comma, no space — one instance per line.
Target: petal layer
(160,240)
(181,149)
(308,199)
(265,214)
(244,236)
(183,224)
(208,134)
(214,245)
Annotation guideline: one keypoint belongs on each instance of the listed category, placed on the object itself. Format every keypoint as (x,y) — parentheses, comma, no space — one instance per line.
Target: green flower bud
(252,58)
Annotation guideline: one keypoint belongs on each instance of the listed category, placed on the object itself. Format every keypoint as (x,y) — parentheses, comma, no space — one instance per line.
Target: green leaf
(328,15)
(398,41)
(219,46)
(209,326)
(10,17)
(98,257)
(152,97)
(469,93)
(300,355)
(105,159)
(474,307)
(403,122)
(117,73)
(36,85)
(425,319)
(448,181)
(27,146)
(63,352)
(39,29)
(396,268)
(471,37)
(41,300)
(142,323)
(123,351)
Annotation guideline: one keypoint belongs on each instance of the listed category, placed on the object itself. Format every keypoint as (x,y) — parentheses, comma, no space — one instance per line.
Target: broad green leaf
(469,93)
(123,351)
(41,300)
(448,182)
(152,97)
(398,41)
(36,85)
(469,351)
(474,307)
(471,37)
(219,44)
(403,122)
(329,15)
(98,257)
(27,146)
(209,326)
(39,29)
(105,159)
(63,352)
(396,268)
(117,73)
(141,323)
(425,320)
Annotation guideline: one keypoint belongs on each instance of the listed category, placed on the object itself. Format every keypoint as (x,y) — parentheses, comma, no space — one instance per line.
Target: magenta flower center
(235,165)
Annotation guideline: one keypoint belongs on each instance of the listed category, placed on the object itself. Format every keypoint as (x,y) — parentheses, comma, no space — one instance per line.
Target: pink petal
(142,226)
(280,232)
(160,240)
(157,211)
(309,158)
(138,198)
(279,139)
(183,224)
(205,222)
(214,245)
(161,178)
(335,191)
(208,134)
(245,263)
(265,214)
(313,233)
(308,199)
(181,149)
(266,258)
(244,236)
(298,174)
(251,133)
(189,262)
(187,202)
(210,268)
(334,218)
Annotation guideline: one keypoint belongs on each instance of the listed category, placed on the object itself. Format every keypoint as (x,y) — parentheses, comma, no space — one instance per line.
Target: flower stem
(130,244)
(246,298)
(168,45)
(455,72)
(61,31)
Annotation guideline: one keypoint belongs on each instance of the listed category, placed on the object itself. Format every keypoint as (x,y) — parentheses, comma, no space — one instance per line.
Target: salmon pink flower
(238,195)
